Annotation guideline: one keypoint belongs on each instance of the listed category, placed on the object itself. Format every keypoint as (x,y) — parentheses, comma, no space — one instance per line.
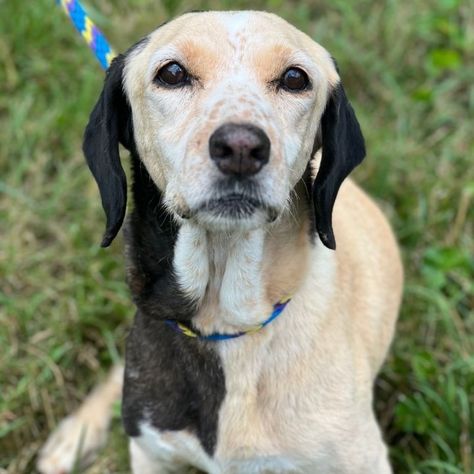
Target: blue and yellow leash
(104,53)
(89,31)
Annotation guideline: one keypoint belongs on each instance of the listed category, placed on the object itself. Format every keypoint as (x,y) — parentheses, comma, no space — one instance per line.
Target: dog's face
(224,110)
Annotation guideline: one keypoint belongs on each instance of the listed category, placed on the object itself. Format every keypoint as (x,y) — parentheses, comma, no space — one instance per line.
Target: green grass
(64,306)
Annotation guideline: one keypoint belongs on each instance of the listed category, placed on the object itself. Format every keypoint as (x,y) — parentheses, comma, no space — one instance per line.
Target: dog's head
(225,111)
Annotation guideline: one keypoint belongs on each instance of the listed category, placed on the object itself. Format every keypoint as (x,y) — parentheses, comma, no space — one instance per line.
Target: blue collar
(217,336)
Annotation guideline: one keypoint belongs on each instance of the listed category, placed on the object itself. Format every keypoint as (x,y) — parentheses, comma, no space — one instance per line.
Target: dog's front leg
(77,439)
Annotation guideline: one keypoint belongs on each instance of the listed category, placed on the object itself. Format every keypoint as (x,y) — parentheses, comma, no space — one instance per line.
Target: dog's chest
(265,402)
(272,417)
(266,424)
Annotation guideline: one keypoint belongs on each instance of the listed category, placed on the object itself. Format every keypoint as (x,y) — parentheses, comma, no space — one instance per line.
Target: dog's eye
(172,74)
(294,79)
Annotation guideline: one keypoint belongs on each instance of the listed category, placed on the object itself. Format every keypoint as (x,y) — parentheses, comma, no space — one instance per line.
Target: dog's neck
(222,282)
(237,277)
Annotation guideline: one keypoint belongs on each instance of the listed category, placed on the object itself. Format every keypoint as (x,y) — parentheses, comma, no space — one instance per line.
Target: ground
(64,306)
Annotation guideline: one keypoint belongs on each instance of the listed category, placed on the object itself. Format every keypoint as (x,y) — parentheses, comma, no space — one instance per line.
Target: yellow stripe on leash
(87,33)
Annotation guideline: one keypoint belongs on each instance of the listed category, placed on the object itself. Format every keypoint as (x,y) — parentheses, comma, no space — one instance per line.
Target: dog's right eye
(294,79)
(172,75)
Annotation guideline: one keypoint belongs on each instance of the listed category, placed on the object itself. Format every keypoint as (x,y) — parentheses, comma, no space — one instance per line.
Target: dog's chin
(234,213)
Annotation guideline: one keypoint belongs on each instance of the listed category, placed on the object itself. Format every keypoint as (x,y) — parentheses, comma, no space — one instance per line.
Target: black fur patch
(171,381)
(150,239)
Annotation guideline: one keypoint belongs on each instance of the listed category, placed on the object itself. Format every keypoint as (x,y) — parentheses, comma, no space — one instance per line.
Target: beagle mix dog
(241,137)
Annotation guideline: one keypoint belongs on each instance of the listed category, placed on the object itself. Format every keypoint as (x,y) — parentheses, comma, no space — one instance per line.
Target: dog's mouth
(234,206)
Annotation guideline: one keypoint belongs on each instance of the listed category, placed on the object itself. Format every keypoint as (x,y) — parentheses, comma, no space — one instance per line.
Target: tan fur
(320,358)
(298,393)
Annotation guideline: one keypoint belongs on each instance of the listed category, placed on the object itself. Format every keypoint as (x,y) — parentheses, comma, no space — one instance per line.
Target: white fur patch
(236,280)
(191,260)
(242,294)
(156,451)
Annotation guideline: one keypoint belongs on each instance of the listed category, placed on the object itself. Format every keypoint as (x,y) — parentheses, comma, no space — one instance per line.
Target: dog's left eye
(294,79)
(172,75)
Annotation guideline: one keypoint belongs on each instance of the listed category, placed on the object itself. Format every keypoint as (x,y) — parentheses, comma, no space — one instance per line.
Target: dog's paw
(73,444)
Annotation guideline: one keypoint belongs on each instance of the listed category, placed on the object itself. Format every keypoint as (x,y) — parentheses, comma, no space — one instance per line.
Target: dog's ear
(110,123)
(343,149)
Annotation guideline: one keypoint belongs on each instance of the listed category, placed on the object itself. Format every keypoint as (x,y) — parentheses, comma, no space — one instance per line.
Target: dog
(256,343)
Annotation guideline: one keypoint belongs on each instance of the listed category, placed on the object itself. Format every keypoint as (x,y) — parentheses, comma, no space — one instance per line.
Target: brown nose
(239,149)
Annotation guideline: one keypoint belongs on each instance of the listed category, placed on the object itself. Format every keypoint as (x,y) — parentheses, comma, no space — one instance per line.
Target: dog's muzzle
(239,150)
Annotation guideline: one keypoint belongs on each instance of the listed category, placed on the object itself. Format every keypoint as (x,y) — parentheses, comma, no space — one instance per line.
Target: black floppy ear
(110,123)
(343,149)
